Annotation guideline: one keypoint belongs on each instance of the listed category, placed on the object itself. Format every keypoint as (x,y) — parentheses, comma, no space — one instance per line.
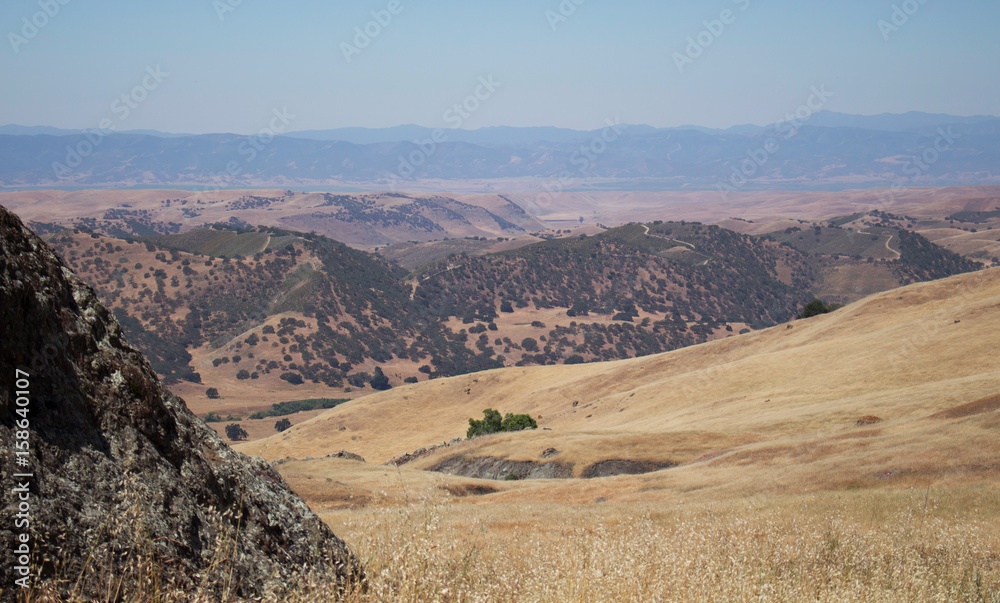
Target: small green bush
(517,423)
(493,423)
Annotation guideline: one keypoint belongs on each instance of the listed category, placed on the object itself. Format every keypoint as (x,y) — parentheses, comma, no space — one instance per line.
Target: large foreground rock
(128,484)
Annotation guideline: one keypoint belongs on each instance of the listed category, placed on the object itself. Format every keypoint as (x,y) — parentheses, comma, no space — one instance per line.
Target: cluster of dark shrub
(623,272)
(493,423)
(214,417)
(288,408)
(921,260)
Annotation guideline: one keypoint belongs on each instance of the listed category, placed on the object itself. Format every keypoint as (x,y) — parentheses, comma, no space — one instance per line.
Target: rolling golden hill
(850,456)
(771,410)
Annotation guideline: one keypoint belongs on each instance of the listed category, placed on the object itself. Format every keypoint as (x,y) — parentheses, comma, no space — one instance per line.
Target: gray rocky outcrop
(128,484)
(487,467)
(624,467)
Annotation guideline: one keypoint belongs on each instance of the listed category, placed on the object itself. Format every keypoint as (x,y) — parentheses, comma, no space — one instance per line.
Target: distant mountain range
(824,149)
(15,130)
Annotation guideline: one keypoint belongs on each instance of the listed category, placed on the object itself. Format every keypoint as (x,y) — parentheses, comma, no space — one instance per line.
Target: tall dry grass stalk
(876,546)
(124,563)
(894,551)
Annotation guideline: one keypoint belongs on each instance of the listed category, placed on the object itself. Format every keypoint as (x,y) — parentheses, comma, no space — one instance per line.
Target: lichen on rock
(128,484)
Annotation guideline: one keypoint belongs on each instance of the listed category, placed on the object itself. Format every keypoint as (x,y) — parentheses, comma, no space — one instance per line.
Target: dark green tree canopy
(815,308)
(235,432)
(379,381)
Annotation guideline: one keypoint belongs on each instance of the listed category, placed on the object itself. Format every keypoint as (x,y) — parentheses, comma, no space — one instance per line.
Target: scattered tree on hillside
(282,425)
(212,393)
(236,433)
(293,378)
(579,309)
(379,381)
(815,308)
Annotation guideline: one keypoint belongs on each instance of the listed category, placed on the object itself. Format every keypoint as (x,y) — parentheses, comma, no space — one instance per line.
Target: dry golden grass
(982,243)
(779,494)
(420,542)
(887,546)
(431,537)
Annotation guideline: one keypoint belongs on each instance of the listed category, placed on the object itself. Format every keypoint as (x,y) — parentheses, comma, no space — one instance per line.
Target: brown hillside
(771,409)
(363,220)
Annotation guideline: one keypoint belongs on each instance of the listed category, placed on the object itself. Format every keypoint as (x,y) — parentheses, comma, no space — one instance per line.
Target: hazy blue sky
(607,59)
